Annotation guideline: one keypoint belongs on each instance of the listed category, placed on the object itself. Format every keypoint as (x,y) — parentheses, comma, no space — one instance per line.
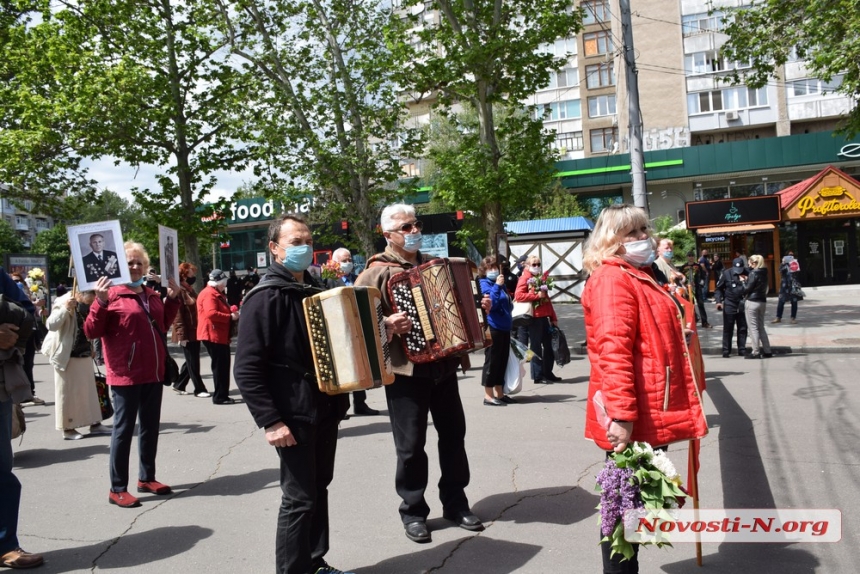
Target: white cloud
(123,177)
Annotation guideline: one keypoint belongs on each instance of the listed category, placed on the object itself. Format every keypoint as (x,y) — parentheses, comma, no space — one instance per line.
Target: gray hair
(340,251)
(386,221)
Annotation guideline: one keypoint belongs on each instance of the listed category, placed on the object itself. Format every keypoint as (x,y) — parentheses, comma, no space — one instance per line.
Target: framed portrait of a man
(97,251)
(168,247)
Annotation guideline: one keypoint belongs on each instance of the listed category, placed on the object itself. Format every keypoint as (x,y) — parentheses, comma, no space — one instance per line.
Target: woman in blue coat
(499,318)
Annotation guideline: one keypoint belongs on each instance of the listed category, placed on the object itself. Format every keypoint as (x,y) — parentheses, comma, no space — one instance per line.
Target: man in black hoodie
(274,372)
(729,295)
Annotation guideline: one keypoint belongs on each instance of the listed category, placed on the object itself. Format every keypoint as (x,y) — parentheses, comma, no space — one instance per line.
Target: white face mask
(346,267)
(534,269)
(640,253)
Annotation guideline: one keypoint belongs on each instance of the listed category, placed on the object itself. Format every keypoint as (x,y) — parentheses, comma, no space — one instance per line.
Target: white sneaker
(203,395)
(72,434)
(33,402)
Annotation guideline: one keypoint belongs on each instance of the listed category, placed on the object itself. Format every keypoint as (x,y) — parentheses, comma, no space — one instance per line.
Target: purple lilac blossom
(617,495)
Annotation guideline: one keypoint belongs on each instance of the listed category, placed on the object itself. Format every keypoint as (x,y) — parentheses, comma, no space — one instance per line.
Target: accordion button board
(443,300)
(348,340)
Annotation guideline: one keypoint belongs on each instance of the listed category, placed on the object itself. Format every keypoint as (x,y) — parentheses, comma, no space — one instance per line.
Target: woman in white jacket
(70,353)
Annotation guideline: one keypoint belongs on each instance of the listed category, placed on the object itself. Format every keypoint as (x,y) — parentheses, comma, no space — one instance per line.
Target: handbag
(514,373)
(560,348)
(103,393)
(796,291)
(522,313)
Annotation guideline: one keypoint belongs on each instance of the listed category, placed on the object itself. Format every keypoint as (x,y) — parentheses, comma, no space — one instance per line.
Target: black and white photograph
(168,247)
(97,252)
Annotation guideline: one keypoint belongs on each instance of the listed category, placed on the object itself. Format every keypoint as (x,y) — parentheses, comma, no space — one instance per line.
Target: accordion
(443,300)
(348,341)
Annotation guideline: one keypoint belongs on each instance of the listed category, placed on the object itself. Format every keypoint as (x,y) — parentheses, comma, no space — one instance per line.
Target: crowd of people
(632,327)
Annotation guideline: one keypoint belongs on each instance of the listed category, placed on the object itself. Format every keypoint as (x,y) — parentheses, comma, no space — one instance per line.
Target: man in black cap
(729,295)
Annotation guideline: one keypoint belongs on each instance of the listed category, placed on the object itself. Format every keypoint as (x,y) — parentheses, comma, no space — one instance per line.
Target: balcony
(22,224)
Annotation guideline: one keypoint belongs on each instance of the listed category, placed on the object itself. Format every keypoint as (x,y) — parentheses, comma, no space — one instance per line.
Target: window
(603,140)
(708,62)
(22,222)
(600,75)
(812,86)
(594,11)
(728,99)
(702,22)
(571,141)
(41,224)
(596,43)
(601,106)
(568,77)
(715,193)
(566,110)
(561,48)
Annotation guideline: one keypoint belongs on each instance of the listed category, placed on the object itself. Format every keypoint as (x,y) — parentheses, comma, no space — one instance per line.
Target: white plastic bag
(514,374)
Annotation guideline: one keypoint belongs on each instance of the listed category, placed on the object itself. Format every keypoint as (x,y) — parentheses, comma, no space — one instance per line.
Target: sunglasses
(409,227)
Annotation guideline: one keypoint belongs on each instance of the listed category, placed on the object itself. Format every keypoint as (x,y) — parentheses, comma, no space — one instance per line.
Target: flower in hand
(331,270)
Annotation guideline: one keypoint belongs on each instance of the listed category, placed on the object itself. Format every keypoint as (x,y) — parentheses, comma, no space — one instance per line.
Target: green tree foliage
(329,118)
(824,34)
(10,241)
(684,240)
(489,56)
(143,81)
(54,243)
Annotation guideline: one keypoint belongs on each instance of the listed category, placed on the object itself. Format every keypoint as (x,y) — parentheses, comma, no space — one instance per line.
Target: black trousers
(190,370)
(410,400)
(540,342)
(220,355)
(132,402)
(729,322)
(30,361)
(701,295)
(306,471)
(359,398)
(496,358)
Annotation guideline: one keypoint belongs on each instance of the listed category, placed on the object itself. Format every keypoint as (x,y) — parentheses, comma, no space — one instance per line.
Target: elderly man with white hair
(344,259)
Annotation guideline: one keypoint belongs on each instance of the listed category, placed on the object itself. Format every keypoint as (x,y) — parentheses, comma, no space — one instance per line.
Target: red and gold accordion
(348,341)
(443,300)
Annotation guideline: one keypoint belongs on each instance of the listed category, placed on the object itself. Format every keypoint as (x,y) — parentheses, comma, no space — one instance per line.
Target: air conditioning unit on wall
(732,115)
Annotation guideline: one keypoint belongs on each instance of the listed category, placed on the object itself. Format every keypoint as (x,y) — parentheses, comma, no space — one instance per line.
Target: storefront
(822,216)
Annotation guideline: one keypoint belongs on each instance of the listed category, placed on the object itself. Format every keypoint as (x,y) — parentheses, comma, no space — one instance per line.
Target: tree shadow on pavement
(233,485)
(477,554)
(558,505)
(136,552)
(366,429)
(184,428)
(40,457)
(532,399)
(745,485)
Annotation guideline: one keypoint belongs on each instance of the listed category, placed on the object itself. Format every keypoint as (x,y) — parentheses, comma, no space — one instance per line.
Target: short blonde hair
(757,260)
(135,248)
(608,234)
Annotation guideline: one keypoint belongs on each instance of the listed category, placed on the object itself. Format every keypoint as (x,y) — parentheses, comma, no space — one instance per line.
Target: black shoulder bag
(171,369)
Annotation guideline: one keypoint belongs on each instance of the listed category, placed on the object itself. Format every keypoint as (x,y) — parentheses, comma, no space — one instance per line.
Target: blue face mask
(492,275)
(137,283)
(669,254)
(412,242)
(298,258)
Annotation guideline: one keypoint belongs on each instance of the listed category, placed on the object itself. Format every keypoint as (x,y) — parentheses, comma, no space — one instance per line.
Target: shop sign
(738,211)
(831,200)
(716,239)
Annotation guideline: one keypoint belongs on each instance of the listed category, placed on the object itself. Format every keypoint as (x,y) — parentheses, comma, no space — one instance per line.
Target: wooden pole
(692,477)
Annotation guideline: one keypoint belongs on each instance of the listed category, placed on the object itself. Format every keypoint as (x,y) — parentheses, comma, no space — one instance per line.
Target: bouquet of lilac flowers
(541,283)
(636,478)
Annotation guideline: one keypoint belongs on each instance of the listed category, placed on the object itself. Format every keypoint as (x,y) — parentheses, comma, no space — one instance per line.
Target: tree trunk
(491,216)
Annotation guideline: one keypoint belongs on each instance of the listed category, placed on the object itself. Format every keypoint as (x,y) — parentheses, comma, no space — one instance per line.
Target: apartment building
(22,220)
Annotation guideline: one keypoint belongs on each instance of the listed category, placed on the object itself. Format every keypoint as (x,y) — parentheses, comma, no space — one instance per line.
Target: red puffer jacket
(639,358)
(134,351)
(213,316)
(524,292)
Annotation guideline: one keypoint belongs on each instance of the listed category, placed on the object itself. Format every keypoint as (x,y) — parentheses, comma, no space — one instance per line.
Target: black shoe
(553,378)
(417,532)
(543,382)
(508,400)
(726,355)
(741,353)
(494,403)
(227,401)
(464,519)
(767,355)
(364,410)
(752,356)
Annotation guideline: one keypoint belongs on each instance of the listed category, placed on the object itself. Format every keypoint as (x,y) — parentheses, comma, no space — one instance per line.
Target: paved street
(783,434)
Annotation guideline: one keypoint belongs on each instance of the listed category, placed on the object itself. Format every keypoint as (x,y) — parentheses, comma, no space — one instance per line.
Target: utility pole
(637,157)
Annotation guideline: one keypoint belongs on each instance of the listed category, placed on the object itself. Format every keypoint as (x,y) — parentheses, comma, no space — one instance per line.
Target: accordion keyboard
(325,365)
(403,299)
(383,336)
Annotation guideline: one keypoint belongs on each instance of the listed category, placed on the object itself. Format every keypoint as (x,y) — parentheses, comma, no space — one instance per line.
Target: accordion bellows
(443,300)
(348,341)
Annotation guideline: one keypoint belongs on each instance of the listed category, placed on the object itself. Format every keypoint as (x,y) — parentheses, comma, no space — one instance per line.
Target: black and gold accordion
(348,341)
(443,299)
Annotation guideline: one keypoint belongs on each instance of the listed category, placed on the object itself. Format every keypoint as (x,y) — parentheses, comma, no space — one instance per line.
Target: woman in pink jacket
(213,329)
(637,345)
(131,321)
(544,320)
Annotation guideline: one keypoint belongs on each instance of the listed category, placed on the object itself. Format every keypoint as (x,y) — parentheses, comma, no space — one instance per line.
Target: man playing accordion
(419,390)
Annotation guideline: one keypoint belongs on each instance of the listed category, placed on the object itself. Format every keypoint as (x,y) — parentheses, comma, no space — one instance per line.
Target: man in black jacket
(274,372)
(729,295)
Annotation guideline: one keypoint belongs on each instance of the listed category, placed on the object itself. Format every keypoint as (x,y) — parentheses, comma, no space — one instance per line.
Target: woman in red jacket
(131,321)
(213,329)
(544,319)
(637,346)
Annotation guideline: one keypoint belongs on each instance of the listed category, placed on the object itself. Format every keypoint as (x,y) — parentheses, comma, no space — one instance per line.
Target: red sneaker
(123,499)
(153,486)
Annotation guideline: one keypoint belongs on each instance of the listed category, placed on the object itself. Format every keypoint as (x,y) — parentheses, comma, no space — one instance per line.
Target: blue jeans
(781,305)
(129,403)
(10,487)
